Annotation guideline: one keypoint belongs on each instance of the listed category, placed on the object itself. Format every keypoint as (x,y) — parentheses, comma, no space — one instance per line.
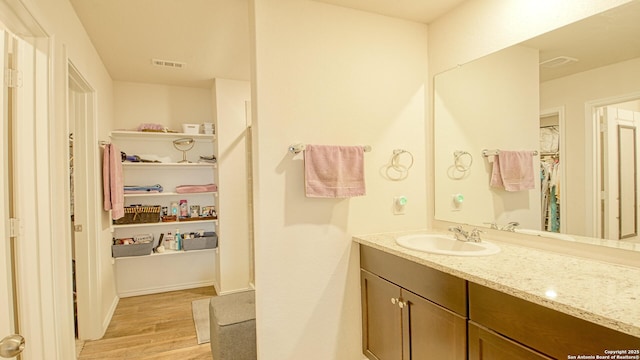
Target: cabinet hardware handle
(394,300)
(401,304)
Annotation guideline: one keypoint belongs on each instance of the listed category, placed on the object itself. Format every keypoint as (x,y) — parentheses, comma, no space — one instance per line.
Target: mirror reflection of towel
(334,171)
(513,171)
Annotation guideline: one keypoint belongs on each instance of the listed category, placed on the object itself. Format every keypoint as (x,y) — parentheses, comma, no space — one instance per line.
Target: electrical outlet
(456,202)
(399,204)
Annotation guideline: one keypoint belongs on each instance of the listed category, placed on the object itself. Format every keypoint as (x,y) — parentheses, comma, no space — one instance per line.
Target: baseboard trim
(236,291)
(163,289)
(107,319)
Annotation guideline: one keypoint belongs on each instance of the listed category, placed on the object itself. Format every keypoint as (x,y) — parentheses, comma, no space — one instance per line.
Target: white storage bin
(191,128)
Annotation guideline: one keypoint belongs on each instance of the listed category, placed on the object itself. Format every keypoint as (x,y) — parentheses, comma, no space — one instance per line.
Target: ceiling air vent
(558,61)
(168,63)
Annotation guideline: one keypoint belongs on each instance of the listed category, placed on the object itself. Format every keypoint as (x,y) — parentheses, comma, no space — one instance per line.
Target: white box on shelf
(191,128)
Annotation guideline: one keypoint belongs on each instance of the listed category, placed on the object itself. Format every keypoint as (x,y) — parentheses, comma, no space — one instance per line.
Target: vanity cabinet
(495,316)
(410,311)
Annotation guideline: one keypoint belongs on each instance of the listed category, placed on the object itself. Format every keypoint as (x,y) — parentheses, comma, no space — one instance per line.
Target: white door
(619,179)
(10,345)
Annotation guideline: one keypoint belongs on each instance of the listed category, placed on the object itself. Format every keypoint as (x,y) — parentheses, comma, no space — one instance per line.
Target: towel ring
(458,162)
(401,171)
(395,160)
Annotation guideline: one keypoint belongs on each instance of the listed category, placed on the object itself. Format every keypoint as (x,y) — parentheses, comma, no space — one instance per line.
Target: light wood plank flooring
(158,326)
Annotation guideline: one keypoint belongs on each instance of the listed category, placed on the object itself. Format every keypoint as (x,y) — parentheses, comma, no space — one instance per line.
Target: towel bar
(494,152)
(297,148)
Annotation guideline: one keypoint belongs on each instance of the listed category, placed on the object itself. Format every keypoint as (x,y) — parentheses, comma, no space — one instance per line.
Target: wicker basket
(139,214)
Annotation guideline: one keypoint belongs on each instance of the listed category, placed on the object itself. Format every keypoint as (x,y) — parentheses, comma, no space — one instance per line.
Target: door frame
(7,297)
(44,301)
(81,110)
(592,130)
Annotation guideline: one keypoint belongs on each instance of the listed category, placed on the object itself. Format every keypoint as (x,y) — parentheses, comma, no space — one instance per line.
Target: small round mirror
(184,145)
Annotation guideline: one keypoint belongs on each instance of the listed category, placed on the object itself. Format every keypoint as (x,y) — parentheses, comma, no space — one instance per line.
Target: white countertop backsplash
(596,291)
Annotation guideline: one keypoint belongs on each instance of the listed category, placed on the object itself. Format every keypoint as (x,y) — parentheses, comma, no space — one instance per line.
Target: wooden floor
(158,326)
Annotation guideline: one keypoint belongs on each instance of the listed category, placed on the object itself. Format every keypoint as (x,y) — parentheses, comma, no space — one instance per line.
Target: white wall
(328,75)
(230,101)
(170,106)
(501,90)
(573,92)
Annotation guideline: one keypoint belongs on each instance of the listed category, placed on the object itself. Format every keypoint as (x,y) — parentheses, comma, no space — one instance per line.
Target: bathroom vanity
(518,304)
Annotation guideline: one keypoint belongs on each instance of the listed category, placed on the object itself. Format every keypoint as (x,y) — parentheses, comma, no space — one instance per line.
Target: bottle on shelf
(175,209)
(178,240)
(184,209)
(169,241)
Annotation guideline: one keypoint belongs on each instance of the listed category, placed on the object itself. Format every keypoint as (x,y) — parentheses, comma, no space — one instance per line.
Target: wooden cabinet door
(381,319)
(485,344)
(431,331)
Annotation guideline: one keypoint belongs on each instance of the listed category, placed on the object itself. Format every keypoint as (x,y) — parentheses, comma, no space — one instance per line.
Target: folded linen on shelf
(141,189)
(207,159)
(184,189)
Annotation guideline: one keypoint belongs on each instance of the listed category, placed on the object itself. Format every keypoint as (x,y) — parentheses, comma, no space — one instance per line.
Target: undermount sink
(446,245)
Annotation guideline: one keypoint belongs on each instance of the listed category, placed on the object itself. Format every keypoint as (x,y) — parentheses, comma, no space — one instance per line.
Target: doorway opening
(81,120)
(552,144)
(616,169)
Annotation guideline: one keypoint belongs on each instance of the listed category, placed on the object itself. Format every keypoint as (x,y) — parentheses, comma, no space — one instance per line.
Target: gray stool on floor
(232,320)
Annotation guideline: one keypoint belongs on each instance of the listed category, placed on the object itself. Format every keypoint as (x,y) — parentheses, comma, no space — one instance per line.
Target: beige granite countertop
(603,293)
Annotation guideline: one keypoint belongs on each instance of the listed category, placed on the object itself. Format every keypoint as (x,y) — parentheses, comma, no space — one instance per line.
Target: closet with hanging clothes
(550,177)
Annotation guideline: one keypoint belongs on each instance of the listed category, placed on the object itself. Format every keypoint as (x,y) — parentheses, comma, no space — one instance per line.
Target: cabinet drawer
(486,344)
(551,332)
(443,289)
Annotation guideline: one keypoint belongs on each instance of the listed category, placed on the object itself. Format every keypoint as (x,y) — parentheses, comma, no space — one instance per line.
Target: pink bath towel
(186,189)
(513,170)
(113,181)
(334,171)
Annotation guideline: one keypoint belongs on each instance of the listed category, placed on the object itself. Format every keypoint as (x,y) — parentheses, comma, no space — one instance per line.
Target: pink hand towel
(334,171)
(113,181)
(513,170)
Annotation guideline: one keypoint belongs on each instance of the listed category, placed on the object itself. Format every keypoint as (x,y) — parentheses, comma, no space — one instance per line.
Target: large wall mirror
(571,99)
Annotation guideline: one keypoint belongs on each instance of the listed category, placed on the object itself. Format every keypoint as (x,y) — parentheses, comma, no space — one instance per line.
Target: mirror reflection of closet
(550,172)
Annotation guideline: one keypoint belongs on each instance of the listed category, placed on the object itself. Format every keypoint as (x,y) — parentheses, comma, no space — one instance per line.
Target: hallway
(158,326)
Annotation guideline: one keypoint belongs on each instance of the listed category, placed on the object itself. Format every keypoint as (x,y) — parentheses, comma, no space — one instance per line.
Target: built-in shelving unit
(171,269)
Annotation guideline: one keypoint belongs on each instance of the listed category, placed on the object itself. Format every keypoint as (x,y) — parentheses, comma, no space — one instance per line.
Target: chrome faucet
(460,234)
(511,226)
(493,225)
